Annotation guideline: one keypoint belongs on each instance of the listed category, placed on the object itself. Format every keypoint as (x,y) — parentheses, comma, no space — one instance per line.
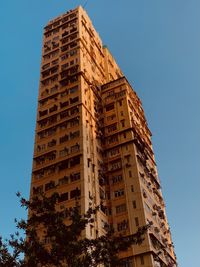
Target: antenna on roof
(85,3)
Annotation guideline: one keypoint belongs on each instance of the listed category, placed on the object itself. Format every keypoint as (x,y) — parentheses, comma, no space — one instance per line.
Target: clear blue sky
(157,45)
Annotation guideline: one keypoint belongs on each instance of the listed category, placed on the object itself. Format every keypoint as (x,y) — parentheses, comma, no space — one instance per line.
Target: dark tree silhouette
(52,237)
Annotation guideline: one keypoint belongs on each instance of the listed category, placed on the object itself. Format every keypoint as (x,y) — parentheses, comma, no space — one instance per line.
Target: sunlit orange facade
(92,142)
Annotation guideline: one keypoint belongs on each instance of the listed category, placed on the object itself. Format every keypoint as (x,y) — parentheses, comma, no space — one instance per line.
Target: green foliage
(63,228)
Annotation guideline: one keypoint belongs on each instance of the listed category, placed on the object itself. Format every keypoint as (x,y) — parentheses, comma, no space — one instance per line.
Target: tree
(52,237)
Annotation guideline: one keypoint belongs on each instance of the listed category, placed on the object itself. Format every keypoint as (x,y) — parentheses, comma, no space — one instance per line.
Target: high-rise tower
(92,142)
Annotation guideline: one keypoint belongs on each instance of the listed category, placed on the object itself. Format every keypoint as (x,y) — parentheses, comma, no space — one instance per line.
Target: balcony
(51,143)
(122,226)
(75,177)
(55,45)
(50,185)
(76,193)
(38,190)
(45,159)
(53,109)
(49,72)
(50,80)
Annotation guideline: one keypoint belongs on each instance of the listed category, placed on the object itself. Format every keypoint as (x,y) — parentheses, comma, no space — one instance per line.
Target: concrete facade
(92,142)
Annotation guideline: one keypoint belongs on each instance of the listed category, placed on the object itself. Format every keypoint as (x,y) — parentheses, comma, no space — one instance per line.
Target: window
(63,165)
(90,196)
(74,111)
(115,165)
(51,170)
(41,147)
(63,180)
(64,138)
(63,197)
(113,152)
(93,167)
(123,123)
(55,31)
(47,34)
(37,190)
(65,40)
(112,139)
(142,260)
(63,126)
(75,161)
(73,52)
(73,90)
(88,162)
(144,193)
(65,48)
(49,185)
(132,188)
(122,225)
(130,174)
(55,53)
(91,230)
(74,134)
(112,128)
(51,131)
(73,36)
(63,57)
(75,176)
(134,204)
(54,62)
(74,43)
(43,113)
(75,148)
(64,152)
(52,119)
(127,157)
(110,107)
(74,100)
(56,24)
(117,178)
(52,109)
(127,263)
(55,44)
(75,193)
(111,117)
(64,104)
(119,193)
(121,208)
(74,122)
(64,66)
(46,66)
(136,221)
(108,195)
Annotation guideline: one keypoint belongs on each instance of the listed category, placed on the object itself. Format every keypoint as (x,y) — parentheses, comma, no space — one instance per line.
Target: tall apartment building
(92,142)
